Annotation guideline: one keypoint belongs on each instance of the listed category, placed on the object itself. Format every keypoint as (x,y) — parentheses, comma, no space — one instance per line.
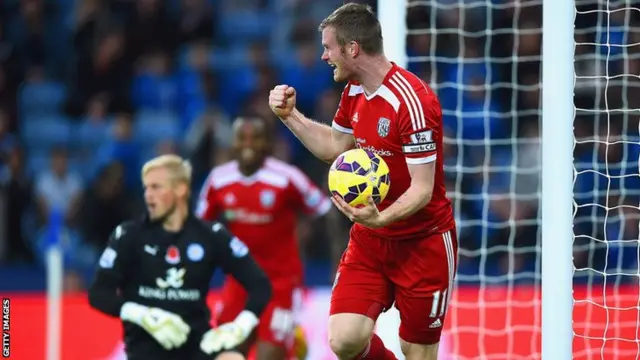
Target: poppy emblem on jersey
(267,198)
(173,255)
(383,126)
(195,252)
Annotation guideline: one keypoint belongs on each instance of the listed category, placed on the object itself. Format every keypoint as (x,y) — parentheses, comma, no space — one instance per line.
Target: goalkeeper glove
(228,336)
(167,328)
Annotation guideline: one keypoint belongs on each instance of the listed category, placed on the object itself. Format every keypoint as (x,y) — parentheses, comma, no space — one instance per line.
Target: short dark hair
(356,22)
(251,117)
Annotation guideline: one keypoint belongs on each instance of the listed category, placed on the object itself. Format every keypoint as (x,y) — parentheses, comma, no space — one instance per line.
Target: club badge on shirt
(195,252)
(383,126)
(267,198)
(173,255)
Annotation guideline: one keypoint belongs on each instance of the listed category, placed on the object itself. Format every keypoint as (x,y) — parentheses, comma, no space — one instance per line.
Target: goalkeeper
(155,272)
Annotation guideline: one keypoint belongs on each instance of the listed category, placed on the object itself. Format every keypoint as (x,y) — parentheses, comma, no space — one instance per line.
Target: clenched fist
(282,100)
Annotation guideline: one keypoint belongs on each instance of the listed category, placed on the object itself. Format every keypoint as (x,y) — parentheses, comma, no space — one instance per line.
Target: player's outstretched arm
(323,141)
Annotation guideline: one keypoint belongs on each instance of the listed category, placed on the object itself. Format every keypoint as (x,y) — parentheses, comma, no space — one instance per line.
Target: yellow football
(358,174)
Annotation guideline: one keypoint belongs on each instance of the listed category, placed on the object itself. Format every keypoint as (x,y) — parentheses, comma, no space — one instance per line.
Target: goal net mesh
(607,180)
(483,57)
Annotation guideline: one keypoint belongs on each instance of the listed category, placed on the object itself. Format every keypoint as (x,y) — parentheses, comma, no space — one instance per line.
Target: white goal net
(607,180)
(483,57)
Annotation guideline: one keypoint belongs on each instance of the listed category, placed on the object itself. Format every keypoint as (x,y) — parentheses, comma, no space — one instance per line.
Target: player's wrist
(384,218)
(133,312)
(294,116)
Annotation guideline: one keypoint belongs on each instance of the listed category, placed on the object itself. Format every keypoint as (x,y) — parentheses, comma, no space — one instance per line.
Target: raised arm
(323,141)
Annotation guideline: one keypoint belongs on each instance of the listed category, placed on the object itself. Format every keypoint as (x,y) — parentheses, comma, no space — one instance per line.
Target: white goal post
(557,178)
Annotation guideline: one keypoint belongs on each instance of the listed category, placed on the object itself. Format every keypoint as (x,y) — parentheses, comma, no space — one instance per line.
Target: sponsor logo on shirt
(418,148)
(170,288)
(245,216)
(380,152)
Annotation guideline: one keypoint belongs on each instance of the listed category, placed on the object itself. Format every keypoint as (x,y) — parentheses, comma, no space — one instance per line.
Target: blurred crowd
(91,89)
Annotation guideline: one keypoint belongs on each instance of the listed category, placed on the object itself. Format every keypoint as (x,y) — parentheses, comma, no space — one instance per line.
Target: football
(357,174)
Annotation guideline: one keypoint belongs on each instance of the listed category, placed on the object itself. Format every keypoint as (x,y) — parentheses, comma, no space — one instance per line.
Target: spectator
(207,143)
(89,16)
(106,204)
(196,21)
(18,190)
(59,188)
(7,139)
(121,147)
(150,28)
(154,86)
(106,72)
(307,71)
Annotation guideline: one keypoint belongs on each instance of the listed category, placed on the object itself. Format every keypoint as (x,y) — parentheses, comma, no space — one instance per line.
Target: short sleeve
(420,121)
(307,195)
(207,207)
(342,121)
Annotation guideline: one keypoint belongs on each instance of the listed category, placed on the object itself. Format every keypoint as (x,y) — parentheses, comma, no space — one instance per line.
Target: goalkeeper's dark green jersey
(146,264)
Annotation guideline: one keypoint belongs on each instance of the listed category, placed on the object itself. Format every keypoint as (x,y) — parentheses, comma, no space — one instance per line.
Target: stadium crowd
(91,89)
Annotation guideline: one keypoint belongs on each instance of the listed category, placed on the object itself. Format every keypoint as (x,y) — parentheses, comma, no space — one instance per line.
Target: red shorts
(277,322)
(417,274)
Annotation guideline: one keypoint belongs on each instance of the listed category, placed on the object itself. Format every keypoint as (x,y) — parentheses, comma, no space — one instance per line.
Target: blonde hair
(179,169)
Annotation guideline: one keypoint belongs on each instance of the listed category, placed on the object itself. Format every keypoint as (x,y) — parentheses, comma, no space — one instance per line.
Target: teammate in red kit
(260,198)
(405,249)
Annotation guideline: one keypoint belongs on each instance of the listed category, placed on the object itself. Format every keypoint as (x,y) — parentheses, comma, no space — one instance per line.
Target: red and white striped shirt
(401,122)
(262,211)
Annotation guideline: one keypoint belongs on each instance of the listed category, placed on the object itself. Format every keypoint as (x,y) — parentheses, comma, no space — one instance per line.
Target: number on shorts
(439,304)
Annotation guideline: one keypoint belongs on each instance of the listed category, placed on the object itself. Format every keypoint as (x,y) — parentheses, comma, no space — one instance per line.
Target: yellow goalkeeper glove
(230,335)
(167,328)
